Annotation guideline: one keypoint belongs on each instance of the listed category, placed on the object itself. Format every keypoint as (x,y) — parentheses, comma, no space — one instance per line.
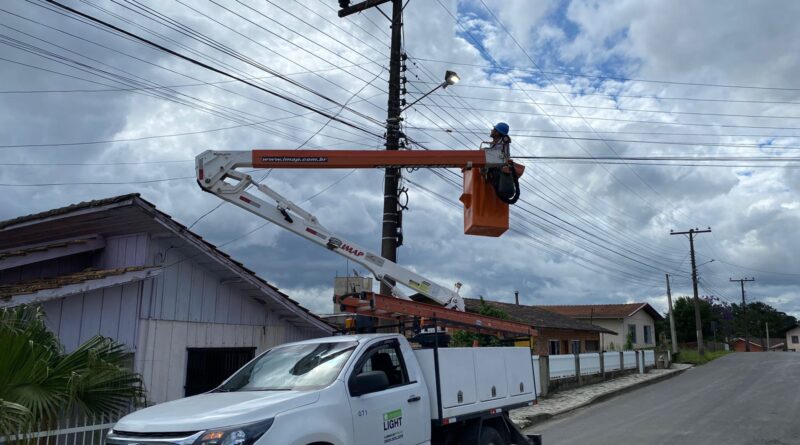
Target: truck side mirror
(368,382)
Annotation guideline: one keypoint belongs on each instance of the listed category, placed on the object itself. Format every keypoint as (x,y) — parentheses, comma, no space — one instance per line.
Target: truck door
(397,415)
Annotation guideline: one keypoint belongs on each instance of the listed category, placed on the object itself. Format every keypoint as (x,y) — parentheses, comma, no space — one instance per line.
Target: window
(386,358)
(293,367)
(206,368)
(795,339)
(592,345)
(648,335)
(632,333)
(576,347)
(555,347)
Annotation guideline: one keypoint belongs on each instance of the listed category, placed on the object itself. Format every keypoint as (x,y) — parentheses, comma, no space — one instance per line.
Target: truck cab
(346,390)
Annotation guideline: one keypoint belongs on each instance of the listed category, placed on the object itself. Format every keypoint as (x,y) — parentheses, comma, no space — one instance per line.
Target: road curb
(537,418)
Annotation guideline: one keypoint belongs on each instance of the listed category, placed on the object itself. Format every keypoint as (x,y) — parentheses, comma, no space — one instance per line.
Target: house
(758,344)
(189,314)
(634,319)
(558,334)
(793,339)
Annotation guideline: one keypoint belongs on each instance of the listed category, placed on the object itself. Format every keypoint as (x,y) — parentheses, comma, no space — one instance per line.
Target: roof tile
(31,286)
(536,316)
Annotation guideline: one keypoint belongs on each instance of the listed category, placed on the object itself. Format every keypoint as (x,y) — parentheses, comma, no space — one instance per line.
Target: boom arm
(217,174)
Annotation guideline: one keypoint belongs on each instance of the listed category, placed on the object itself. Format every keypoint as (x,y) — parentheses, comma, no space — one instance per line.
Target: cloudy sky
(86,113)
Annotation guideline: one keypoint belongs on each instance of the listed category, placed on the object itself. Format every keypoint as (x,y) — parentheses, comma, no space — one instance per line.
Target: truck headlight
(235,435)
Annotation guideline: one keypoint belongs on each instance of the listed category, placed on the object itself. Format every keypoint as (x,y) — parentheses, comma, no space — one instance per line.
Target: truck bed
(476,380)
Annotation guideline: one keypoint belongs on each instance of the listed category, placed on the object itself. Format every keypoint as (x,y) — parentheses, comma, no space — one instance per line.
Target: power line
(639,110)
(154,85)
(644,141)
(635,121)
(214,69)
(617,78)
(625,96)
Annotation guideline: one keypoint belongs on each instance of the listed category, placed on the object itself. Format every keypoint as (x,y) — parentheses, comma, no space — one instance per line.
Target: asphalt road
(742,398)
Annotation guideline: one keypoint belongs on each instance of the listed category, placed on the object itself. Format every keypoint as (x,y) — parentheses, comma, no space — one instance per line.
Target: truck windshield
(293,367)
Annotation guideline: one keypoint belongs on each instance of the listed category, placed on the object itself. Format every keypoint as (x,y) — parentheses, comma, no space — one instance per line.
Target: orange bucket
(484,213)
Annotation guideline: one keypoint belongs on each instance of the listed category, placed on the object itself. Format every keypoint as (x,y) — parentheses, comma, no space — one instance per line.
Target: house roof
(129,213)
(773,342)
(603,310)
(40,248)
(64,282)
(536,316)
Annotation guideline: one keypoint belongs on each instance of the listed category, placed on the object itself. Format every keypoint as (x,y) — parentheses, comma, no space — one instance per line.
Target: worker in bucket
(500,139)
(503,179)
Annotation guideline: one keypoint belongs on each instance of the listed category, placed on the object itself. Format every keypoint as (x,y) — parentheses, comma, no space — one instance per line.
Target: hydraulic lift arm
(217,174)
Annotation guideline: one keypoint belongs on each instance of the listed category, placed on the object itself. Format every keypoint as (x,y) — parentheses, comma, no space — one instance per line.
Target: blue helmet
(502,128)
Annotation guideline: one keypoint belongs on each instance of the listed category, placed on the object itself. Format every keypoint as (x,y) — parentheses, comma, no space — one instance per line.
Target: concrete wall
(790,346)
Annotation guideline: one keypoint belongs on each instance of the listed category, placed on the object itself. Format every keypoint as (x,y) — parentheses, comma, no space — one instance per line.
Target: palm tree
(38,381)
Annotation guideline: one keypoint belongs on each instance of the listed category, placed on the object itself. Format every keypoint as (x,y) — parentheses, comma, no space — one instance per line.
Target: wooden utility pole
(744,313)
(672,335)
(698,323)
(390,233)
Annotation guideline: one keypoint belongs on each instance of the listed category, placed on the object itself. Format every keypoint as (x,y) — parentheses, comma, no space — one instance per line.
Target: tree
(38,381)
(727,319)
(758,314)
(465,339)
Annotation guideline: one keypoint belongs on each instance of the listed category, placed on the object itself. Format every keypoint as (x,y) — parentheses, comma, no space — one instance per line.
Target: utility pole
(698,323)
(744,312)
(671,320)
(766,324)
(390,233)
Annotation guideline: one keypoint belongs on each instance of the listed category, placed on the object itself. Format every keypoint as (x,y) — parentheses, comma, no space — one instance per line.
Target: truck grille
(157,438)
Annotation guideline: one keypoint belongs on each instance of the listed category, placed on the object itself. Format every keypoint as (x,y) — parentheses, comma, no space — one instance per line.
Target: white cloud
(588,228)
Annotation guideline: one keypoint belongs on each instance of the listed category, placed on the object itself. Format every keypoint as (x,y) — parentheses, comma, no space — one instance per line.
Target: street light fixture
(450,78)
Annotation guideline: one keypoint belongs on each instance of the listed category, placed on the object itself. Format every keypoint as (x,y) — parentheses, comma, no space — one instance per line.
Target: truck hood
(214,410)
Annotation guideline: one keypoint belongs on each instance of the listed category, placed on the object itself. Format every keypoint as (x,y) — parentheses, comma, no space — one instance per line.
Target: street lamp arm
(443,84)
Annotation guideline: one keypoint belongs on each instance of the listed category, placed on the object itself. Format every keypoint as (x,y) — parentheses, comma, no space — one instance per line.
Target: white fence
(611,361)
(629,359)
(562,366)
(650,358)
(75,430)
(590,363)
(537,378)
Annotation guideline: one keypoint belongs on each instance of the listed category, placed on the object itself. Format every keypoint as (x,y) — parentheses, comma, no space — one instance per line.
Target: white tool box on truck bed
(476,380)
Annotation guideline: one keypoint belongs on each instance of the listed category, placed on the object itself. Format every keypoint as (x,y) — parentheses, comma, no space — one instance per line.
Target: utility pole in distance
(698,323)
(671,319)
(744,313)
(390,233)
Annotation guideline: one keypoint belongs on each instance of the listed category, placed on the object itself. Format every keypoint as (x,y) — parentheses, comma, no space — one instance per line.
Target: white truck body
(490,380)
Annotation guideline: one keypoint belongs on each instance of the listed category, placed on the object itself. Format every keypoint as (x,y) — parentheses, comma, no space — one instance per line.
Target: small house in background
(759,344)
(636,319)
(189,314)
(793,339)
(558,334)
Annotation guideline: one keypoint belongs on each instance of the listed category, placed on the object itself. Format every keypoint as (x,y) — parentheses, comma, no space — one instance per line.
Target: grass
(691,356)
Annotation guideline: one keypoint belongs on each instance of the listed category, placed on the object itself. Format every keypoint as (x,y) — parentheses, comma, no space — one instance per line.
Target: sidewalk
(565,401)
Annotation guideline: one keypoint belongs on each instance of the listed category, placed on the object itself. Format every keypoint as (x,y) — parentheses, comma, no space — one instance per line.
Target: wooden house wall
(186,305)
(163,352)
(110,312)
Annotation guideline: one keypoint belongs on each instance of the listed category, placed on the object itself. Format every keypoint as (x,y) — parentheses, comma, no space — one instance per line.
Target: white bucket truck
(370,389)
